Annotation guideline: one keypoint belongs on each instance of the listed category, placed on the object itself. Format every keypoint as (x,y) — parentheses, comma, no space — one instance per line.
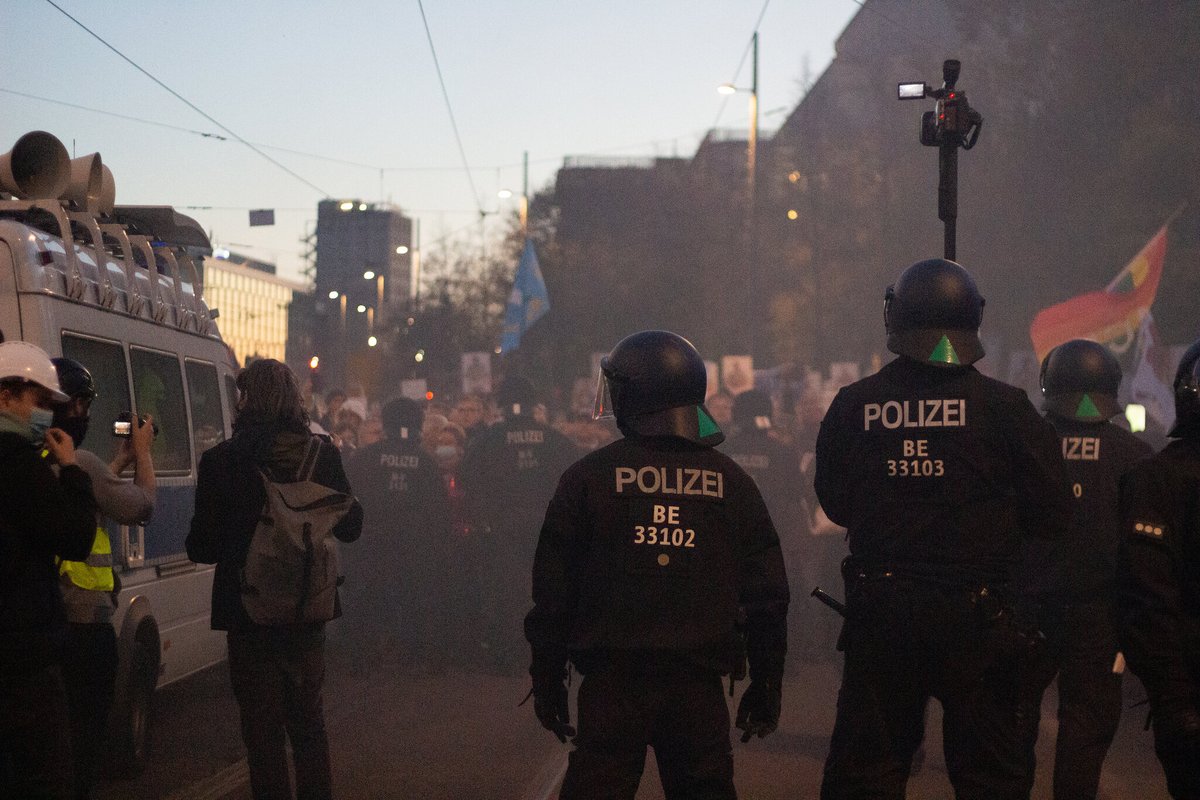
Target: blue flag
(527,302)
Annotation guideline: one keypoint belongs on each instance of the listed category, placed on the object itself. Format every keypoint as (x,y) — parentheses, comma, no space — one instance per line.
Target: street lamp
(752,140)
(505,194)
(751,189)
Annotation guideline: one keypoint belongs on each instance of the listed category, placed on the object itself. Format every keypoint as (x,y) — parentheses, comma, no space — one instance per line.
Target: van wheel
(133,735)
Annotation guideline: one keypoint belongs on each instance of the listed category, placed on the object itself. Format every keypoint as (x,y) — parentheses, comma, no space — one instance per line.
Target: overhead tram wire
(697,135)
(450,110)
(187,102)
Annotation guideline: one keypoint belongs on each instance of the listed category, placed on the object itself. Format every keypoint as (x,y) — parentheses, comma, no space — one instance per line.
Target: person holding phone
(90,587)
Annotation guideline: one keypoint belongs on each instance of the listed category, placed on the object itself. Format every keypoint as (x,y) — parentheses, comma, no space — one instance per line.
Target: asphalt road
(460,734)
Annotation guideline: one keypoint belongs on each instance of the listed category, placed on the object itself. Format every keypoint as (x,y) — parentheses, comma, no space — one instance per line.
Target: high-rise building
(253,303)
(364,277)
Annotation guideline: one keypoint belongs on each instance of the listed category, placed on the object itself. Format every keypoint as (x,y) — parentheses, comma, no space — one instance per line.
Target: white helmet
(28,362)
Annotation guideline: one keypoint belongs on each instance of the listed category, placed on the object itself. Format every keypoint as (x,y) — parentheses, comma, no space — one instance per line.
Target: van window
(204,395)
(231,394)
(106,362)
(158,391)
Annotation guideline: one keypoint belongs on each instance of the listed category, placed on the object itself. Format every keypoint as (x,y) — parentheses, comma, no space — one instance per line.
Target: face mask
(76,428)
(446,453)
(40,420)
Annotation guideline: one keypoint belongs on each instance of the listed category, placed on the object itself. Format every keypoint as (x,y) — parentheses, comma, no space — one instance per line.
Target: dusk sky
(357,82)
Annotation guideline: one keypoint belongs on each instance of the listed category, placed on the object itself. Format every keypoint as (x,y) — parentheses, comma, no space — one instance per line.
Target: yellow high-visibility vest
(95,574)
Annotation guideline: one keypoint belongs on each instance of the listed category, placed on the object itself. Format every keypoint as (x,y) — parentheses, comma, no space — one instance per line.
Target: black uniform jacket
(400,488)
(41,516)
(651,546)
(1082,567)
(775,468)
(510,470)
(1160,572)
(938,471)
(230,498)
(406,524)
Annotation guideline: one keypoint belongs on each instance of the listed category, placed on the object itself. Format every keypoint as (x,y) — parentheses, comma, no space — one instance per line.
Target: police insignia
(1148,529)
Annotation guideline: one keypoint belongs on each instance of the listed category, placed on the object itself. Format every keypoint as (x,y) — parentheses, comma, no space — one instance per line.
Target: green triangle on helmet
(1087,409)
(708,426)
(944,352)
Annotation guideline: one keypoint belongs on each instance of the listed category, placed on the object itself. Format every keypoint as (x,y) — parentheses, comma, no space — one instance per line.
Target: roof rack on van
(140,260)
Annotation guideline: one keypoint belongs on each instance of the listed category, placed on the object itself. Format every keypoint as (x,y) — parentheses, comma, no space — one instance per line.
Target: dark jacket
(230,497)
(775,468)
(1159,573)
(654,547)
(509,472)
(41,517)
(1082,567)
(406,517)
(938,472)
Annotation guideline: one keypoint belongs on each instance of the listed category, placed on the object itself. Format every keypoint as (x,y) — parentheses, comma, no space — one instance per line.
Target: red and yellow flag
(1112,316)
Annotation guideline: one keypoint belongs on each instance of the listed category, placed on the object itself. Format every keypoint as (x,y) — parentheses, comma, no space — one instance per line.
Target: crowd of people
(985,550)
(453,550)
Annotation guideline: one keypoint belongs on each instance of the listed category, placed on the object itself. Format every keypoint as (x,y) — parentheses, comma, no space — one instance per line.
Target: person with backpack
(268,503)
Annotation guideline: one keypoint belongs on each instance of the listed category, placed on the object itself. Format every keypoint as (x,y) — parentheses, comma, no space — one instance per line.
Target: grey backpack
(291,570)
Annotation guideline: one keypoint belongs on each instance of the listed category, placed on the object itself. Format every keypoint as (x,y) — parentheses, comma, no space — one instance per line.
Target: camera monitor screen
(910,91)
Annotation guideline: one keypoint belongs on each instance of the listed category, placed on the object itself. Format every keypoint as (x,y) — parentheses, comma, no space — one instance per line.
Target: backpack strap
(308,465)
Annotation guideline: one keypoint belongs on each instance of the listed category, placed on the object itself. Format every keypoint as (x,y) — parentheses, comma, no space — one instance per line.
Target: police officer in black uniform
(508,476)
(395,575)
(1159,579)
(1070,585)
(652,549)
(937,472)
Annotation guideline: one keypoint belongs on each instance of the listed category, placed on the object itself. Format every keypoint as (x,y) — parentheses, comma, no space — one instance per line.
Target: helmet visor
(603,408)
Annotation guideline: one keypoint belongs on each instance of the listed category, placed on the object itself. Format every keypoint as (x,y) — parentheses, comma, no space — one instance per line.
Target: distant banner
(1153,376)
(414,389)
(477,373)
(1111,317)
(527,303)
(737,373)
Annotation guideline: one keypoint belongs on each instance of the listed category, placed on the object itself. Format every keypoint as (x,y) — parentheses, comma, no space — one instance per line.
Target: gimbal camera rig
(953,124)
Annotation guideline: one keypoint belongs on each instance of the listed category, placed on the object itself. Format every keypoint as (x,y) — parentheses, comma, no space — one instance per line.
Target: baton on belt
(829,600)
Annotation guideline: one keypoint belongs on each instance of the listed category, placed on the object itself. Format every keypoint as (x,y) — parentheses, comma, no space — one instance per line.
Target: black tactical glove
(550,703)
(758,711)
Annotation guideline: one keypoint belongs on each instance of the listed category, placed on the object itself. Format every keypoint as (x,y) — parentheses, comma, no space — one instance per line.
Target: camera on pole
(951,125)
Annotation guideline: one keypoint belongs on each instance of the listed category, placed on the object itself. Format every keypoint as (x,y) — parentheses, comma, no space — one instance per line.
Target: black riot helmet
(516,396)
(74,378)
(76,382)
(932,314)
(752,410)
(1080,379)
(1187,395)
(654,384)
(401,419)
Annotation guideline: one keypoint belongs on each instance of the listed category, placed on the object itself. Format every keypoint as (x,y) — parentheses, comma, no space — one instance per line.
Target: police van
(117,288)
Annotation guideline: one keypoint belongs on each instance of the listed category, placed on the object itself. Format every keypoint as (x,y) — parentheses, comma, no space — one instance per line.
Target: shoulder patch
(1149,530)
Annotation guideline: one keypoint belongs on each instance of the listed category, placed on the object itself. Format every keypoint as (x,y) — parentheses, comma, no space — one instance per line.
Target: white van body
(119,292)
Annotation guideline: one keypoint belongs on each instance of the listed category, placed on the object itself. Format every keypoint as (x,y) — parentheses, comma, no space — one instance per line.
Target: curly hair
(270,392)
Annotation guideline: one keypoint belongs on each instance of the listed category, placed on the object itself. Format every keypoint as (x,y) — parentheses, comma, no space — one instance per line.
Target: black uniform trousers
(90,674)
(277,675)
(1179,755)
(35,739)
(678,710)
(1080,647)
(905,641)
